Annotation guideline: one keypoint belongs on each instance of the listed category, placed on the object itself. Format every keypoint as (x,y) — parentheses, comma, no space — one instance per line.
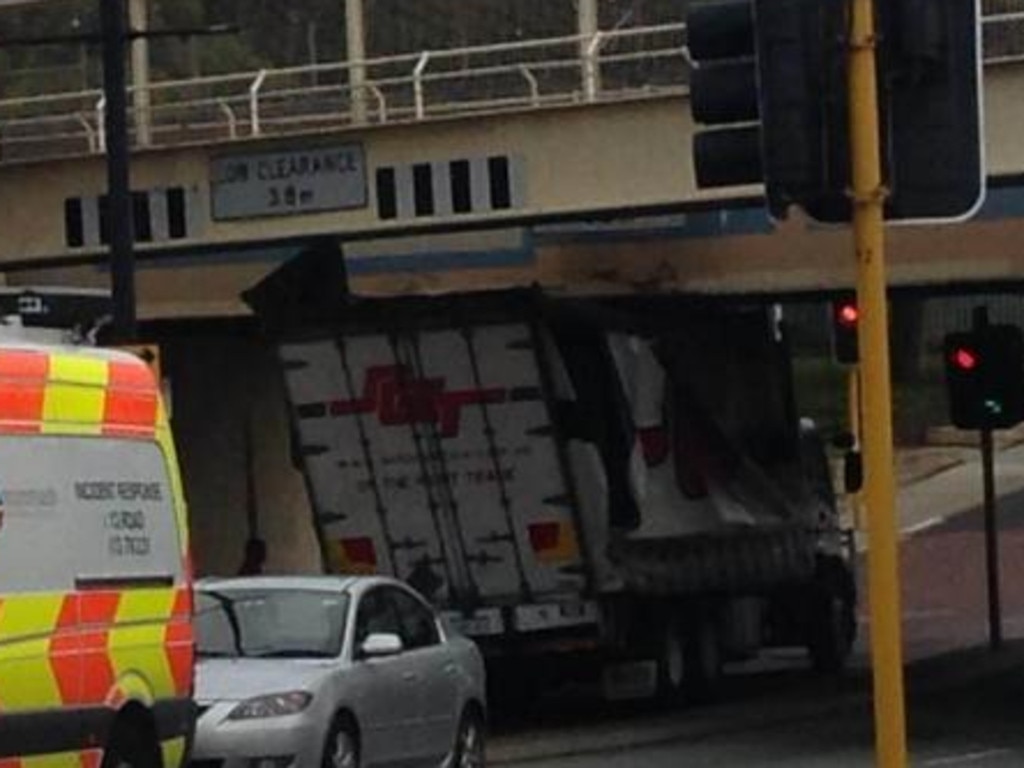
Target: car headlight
(272,705)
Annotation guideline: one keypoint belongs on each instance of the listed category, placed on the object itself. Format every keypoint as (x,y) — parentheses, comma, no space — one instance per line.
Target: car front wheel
(341,749)
(470,744)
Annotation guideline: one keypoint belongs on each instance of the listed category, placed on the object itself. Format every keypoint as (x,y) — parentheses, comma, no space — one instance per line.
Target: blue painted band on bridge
(1002,203)
(205,257)
(721,222)
(427,261)
(441,261)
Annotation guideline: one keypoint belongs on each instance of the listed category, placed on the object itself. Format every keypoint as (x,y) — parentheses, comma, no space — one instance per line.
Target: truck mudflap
(734,561)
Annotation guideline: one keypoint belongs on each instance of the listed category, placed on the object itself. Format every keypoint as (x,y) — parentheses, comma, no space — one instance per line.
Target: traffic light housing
(845,319)
(930,84)
(770,82)
(985,377)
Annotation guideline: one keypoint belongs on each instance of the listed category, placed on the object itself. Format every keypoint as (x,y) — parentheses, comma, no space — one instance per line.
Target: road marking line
(931,522)
(913,530)
(967,757)
(934,613)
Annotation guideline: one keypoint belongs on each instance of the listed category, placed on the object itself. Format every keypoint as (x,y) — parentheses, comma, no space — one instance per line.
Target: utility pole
(119,197)
(138,16)
(311,50)
(355,35)
(880,489)
(588,25)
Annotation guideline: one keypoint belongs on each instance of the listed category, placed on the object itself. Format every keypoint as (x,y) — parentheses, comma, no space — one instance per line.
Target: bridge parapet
(611,65)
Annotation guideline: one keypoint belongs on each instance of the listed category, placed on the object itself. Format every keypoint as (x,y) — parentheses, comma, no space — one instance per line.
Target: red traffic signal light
(845,317)
(847,314)
(964,358)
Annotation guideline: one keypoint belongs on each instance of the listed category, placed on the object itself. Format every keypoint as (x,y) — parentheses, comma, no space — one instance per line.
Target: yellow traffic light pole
(880,490)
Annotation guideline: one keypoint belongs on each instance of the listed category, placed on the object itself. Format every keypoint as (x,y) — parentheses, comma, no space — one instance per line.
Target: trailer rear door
(431,456)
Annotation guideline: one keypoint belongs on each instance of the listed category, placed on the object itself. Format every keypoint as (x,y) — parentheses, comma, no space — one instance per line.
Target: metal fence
(613,64)
(1003,30)
(416,86)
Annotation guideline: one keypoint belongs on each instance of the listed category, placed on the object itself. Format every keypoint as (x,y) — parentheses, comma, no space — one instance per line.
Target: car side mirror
(853,471)
(380,645)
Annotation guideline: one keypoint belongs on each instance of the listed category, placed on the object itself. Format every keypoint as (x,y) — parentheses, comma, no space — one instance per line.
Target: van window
(84,508)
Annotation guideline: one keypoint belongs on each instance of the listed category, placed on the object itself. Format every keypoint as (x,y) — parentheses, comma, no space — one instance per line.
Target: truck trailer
(619,485)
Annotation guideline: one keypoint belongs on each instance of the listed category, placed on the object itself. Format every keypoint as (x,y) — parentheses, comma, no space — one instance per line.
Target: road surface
(966,704)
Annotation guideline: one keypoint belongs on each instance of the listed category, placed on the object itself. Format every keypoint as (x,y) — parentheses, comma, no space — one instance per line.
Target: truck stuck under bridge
(620,481)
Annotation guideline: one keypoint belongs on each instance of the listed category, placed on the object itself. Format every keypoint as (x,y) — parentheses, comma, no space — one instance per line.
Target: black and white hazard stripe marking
(451,187)
(159,215)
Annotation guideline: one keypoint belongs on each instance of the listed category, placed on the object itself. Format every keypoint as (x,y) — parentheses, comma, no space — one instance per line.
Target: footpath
(944,478)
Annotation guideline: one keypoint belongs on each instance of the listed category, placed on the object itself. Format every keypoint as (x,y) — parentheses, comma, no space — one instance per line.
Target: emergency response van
(96,646)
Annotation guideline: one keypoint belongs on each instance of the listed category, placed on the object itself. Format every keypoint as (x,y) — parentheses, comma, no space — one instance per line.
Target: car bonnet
(240,679)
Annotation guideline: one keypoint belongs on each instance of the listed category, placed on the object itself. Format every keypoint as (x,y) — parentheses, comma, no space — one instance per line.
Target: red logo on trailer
(399,399)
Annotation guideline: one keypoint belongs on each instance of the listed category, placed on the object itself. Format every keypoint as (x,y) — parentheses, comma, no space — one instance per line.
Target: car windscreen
(269,623)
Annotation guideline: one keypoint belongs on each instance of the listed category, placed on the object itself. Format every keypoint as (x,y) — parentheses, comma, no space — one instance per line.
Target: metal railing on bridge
(609,65)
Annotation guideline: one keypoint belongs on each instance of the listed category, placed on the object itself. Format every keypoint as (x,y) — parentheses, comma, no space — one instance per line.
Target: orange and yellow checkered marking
(49,660)
(47,392)
(59,760)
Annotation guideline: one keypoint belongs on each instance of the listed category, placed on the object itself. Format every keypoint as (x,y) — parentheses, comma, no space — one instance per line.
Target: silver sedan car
(349,672)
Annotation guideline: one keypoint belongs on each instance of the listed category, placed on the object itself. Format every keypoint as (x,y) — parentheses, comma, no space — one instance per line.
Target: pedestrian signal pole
(985,382)
(988,484)
(879,491)
(988,479)
(854,420)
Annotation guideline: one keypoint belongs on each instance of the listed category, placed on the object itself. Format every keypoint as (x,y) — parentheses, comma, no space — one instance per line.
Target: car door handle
(410,677)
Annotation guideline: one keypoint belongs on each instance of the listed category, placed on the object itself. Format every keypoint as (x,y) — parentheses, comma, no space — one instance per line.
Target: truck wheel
(512,688)
(703,662)
(671,661)
(832,622)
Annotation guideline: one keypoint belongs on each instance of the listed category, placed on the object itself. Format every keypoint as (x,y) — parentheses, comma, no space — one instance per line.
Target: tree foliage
(274,33)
